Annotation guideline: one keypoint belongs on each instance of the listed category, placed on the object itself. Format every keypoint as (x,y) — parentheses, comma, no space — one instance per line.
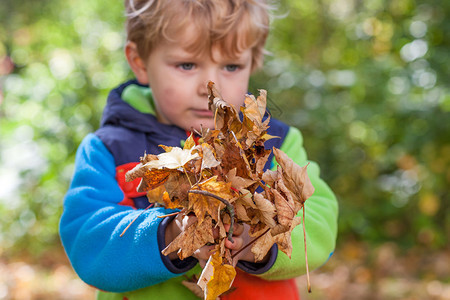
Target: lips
(203,113)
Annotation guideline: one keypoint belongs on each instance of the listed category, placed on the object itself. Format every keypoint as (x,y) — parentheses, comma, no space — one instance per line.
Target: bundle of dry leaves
(217,179)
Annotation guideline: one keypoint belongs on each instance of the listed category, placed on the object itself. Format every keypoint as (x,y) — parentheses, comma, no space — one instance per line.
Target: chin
(199,126)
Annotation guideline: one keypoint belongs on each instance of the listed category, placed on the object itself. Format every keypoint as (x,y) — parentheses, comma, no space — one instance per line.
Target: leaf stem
(251,242)
(306,252)
(169,215)
(185,172)
(228,205)
(126,228)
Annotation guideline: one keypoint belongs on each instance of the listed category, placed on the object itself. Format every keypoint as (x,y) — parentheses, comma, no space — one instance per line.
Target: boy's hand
(179,224)
(241,239)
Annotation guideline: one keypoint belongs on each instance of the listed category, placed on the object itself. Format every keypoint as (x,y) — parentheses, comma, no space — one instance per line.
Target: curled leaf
(266,210)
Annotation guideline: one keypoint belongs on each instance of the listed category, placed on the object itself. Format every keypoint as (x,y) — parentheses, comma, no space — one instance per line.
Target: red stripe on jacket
(129,189)
(252,287)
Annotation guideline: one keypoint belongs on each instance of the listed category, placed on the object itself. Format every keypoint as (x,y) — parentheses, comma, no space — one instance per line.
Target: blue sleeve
(93,220)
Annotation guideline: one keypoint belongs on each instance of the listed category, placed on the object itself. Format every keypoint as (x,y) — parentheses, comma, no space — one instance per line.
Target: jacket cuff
(176,266)
(259,268)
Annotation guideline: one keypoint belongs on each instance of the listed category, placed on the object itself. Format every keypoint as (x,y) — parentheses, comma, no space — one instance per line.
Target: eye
(186,66)
(231,68)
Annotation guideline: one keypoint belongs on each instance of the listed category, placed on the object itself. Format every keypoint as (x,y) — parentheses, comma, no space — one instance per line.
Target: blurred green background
(367,82)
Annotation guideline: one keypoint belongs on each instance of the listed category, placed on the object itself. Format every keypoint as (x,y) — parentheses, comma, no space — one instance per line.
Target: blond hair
(232,25)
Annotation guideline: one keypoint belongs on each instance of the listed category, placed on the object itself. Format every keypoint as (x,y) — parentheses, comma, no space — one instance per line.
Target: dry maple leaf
(189,143)
(177,187)
(284,241)
(255,108)
(203,205)
(138,171)
(194,237)
(234,158)
(265,210)
(174,159)
(208,158)
(237,182)
(296,177)
(285,208)
(241,212)
(153,179)
(262,246)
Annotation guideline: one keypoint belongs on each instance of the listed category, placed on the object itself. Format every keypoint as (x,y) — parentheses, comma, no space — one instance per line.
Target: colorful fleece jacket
(100,204)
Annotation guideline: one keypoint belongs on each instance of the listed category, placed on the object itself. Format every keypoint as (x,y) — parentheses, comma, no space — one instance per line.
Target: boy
(175,47)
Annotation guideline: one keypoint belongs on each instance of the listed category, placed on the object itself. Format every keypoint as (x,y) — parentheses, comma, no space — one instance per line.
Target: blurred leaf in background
(367,82)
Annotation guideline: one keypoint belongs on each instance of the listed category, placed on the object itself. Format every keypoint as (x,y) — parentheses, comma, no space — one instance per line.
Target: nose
(208,75)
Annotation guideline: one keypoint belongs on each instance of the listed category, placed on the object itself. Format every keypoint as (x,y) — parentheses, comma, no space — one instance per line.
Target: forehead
(198,41)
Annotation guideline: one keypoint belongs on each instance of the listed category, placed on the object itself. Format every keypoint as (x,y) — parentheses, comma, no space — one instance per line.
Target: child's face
(178,81)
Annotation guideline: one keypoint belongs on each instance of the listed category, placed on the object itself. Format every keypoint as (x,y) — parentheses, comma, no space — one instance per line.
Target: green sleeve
(320,221)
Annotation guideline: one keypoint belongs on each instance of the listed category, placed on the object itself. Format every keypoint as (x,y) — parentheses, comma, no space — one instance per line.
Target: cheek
(236,96)
(167,97)
(169,93)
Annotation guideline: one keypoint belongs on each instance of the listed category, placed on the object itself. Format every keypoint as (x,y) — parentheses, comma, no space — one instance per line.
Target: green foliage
(365,81)
(67,57)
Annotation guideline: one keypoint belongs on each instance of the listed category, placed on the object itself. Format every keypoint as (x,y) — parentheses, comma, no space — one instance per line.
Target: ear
(136,63)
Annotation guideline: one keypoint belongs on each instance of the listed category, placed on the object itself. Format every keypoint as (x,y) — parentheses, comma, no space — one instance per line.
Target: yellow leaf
(189,143)
(216,277)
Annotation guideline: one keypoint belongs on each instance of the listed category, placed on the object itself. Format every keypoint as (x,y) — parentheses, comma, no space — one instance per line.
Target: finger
(238,229)
(189,220)
(184,221)
(235,245)
(202,263)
